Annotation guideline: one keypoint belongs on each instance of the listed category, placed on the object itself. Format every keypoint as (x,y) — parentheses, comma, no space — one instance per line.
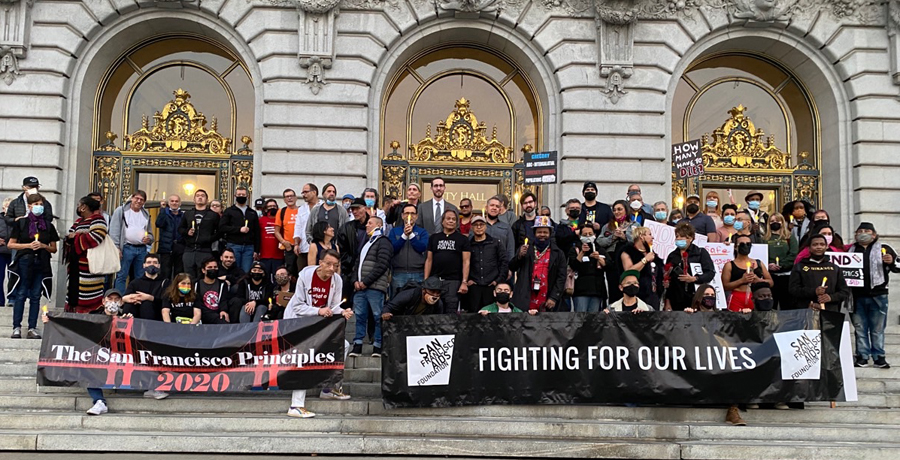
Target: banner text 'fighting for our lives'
(507,359)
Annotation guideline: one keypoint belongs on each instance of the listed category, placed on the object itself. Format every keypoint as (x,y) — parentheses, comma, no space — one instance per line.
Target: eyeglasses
(216,205)
(465,206)
(290,196)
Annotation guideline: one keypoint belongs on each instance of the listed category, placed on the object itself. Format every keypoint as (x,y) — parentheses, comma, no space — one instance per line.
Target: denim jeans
(132,258)
(363,302)
(256,316)
(244,255)
(401,278)
(586,304)
(96,394)
(29,289)
(869,320)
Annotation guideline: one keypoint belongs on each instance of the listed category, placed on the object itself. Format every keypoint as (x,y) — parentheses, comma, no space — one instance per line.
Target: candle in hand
(193,224)
(245,222)
(778,261)
(526,241)
(824,280)
(749,267)
(883,250)
(36,235)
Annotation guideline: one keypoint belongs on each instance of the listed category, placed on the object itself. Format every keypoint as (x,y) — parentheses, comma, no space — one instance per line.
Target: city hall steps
(52,419)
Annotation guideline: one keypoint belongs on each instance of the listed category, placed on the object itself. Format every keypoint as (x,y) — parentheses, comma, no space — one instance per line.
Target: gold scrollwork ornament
(178,128)
(461,138)
(738,144)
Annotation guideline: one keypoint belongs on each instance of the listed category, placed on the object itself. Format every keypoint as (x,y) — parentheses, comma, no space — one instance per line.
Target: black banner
(541,168)
(104,352)
(655,357)
(687,159)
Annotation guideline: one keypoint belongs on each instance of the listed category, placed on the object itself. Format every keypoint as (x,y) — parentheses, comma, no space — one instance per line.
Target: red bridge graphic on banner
(122,344)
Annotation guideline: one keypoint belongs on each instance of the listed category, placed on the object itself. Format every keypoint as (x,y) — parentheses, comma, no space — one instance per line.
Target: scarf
(876,265)
(621,219)
(36,224)
(541,245)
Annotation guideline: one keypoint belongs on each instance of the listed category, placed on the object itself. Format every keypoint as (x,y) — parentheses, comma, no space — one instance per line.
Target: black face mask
(241,200)
(212,273)
(822,222)
(257,276)
(631,290)
(764,304)
(775,226)
(589,196)
(574,213)
(744,249)
(502,297)
(272,212)
(708,301)
(693,208)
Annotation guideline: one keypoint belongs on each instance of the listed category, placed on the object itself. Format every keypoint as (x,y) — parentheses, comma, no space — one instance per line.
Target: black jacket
(232,221)
(168,226)
(807,275)
(240,294)
(204,234)
(376,268)
(406,301)
(18,208)
(524,268)
(868,290)
(488,262)
(590,281)
(348,244)
(681,294)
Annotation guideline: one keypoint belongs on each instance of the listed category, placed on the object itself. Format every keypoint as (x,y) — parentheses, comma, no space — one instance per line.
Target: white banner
(722,254)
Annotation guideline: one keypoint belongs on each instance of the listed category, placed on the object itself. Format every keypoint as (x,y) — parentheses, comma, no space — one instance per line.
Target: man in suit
(430,211)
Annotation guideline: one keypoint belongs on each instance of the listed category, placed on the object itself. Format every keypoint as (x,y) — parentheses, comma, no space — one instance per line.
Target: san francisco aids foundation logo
(429,358)
(801,354)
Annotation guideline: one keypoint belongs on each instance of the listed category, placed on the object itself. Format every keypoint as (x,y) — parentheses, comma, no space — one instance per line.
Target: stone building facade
(602,82)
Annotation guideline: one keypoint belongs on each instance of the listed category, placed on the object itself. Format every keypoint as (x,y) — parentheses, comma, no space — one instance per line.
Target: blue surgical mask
(37,209)
(712,203)
(370,202)
(675,221)
(681,244)
(329,202)
(729,220)
(660,215)
(754,205)
(738,225)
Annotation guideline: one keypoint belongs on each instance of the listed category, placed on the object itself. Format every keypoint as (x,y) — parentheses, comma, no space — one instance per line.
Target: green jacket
(783,253)
(494,308)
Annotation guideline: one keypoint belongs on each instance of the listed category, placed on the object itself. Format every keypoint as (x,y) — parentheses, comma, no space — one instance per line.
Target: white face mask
(32,191)
(635,205)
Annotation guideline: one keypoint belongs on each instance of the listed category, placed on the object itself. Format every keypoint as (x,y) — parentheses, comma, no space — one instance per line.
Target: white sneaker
(99,408)
(781,406)
(333,393)
(156,394)
(300,412)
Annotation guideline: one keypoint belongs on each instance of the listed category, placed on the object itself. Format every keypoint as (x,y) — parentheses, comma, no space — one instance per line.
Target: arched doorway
(759,129)
(181,102)
(463,112)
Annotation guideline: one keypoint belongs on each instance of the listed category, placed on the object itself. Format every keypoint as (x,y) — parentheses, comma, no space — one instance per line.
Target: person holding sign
(817,283)
(870,300)
(611,240)
(741,273)
(783,250)
(686,266)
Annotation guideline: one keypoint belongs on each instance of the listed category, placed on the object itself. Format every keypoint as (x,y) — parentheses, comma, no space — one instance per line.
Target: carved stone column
(615,42)
(15,36)
(893,29)
(316,34)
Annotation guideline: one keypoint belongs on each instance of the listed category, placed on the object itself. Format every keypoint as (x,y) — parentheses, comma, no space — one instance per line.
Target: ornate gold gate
(178,142)
(739,155)
(460,152)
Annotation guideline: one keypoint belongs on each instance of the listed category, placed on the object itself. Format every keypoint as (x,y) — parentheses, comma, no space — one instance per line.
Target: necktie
(437,216)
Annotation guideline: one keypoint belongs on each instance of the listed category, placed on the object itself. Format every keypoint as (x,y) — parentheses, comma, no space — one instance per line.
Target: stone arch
(99,52)
(824,85)
(495,35)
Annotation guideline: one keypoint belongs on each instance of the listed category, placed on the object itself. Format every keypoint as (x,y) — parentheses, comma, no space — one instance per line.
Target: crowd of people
(318,254)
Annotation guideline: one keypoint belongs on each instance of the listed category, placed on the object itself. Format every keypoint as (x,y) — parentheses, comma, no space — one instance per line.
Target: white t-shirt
(136,226)
(300,226)
(504,310)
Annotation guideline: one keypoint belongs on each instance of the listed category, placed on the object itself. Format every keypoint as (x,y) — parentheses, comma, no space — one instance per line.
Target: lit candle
(44,308)
(749,267)
(883,250)
(615,225)
(824,280)
(484,214)
(270,301)
(193,224)
(36,235)
(526,241)
(245,222)
(777,261)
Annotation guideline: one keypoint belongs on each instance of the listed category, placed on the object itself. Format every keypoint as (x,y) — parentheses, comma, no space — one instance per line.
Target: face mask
(753,205)
(828,239)
(865,238)
(823,222)
(370,202)
(184,290)
(712,203)
(587,239)
(660,215)
(272,212)
(111,307)
(541,244)
(693,208)
(241,200)
(589,196)
(282,280)
(574,213)
(764,304)
(259,213)
(729,220)
(32,191)
(675,221)
(346,205)
(37,209)
(744,249)
(212,274)
(257,276)
(681,244)
(775,226)
(151,270)
(738,224)
(631,290)
(635,205)
(329,202)
(708,301)
(502,297)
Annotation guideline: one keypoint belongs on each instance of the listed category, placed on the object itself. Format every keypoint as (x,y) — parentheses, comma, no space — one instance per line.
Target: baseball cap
(258,203)
(358,202)
(31,181)
(113,291)
(348,196)
(433,283)
(478,218)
